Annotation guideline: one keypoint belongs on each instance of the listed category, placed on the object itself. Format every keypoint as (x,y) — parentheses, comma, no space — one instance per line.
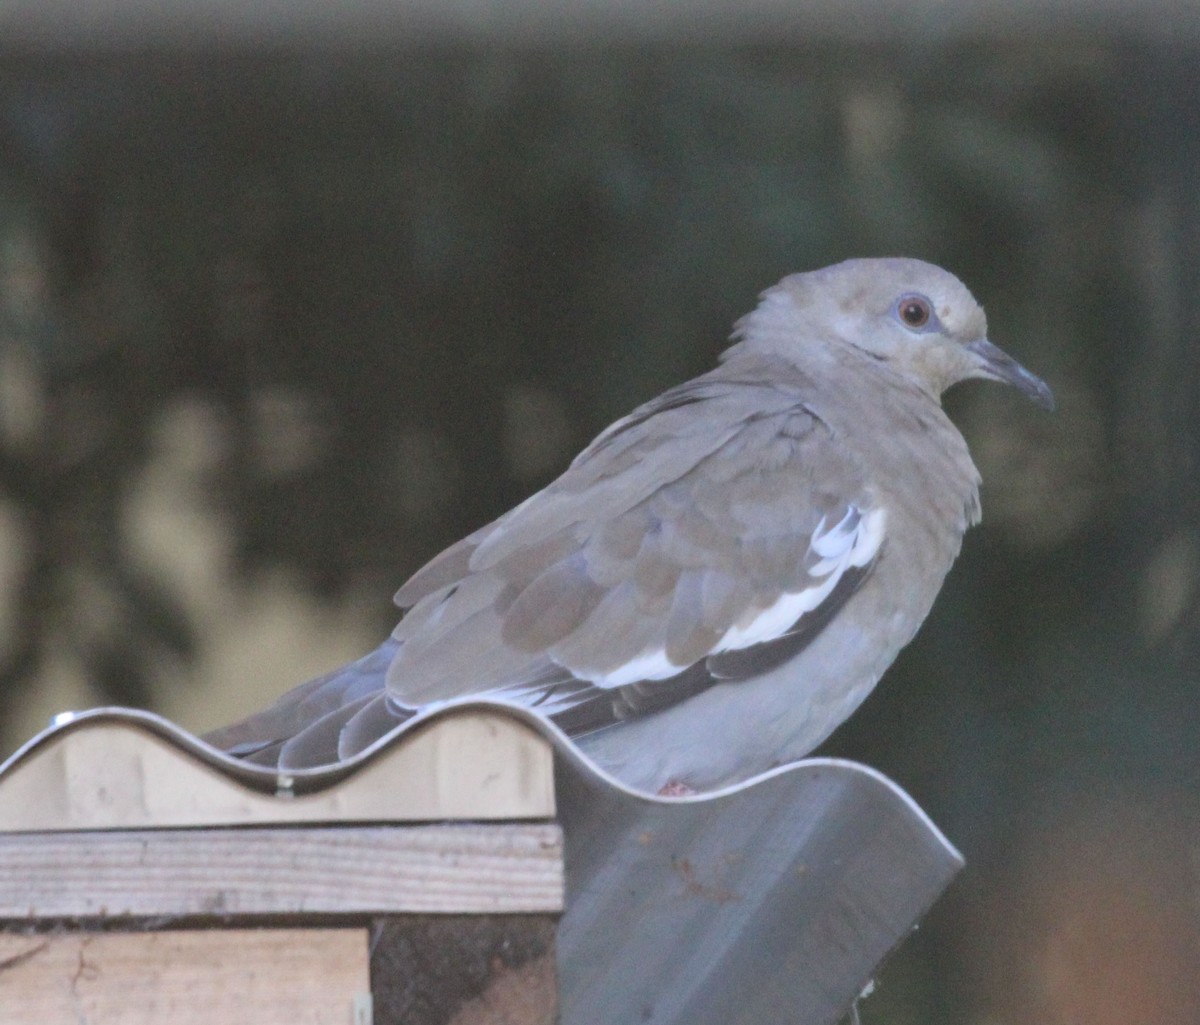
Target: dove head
(918,319)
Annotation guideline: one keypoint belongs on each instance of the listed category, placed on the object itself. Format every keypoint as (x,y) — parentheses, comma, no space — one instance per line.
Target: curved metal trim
(308,780)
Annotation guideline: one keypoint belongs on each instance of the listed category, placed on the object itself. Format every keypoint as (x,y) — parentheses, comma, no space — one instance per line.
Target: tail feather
(336,696)
(318,742)
(377,717)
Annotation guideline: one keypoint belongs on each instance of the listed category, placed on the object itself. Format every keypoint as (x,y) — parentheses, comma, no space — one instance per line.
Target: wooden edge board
(480,868)
(234,976)
(476,765)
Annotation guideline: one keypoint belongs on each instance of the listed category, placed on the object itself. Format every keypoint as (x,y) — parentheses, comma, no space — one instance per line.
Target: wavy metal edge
(298,781)
(831,869)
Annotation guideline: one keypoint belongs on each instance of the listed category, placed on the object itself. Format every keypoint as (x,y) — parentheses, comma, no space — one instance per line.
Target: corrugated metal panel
(771,901)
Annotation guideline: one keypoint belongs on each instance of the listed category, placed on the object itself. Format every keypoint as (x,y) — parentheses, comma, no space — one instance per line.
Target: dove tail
(321,721)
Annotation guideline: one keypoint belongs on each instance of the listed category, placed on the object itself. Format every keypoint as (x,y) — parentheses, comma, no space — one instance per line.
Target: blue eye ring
(915,312)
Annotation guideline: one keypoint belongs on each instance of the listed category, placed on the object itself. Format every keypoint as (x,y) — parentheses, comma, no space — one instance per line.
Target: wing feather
(622,574)
(690,545)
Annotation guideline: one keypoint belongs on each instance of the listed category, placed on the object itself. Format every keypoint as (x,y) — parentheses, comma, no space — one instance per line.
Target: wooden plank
(107,774)
(450,868)
(235,977)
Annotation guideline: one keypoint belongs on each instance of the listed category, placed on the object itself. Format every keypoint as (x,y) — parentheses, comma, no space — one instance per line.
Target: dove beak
(998,365)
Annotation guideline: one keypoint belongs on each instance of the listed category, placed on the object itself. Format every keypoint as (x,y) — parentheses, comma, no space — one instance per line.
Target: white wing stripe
(649,665)
(850,543)
(842,547)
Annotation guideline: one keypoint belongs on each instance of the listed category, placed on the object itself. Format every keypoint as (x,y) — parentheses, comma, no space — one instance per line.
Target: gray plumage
(721,577)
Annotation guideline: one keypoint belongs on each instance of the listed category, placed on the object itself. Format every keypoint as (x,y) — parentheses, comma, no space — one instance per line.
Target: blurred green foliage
(404,287)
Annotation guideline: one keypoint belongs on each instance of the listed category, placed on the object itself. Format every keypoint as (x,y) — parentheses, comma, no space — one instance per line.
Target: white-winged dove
(720,578)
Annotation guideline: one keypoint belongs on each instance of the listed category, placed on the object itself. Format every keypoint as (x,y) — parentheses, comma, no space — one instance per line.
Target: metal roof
(771,901)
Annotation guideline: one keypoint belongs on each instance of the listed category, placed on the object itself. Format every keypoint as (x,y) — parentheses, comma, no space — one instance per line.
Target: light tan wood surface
(476,765)
(452,867)
(234,977)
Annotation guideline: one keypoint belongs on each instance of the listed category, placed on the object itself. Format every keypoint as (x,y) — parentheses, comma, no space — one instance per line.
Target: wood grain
(235,977)
(450,868)
(475,765)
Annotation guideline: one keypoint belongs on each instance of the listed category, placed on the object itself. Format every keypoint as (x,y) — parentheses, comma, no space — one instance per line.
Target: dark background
(278,321)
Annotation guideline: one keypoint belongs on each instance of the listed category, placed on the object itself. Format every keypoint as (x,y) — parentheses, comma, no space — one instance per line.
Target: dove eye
(914,311)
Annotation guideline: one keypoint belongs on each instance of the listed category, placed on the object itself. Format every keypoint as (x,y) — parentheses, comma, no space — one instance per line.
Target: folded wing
(703,540)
